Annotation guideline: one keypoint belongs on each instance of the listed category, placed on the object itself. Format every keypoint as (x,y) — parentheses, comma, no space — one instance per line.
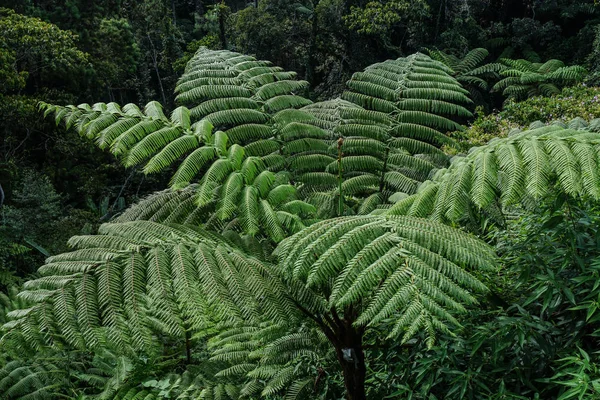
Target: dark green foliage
(522,79)
(542,341)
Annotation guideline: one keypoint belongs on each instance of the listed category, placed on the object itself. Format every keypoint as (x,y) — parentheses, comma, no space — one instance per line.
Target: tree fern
(145,271)
(350,259)
(258,164)
(522,78)
(222,90)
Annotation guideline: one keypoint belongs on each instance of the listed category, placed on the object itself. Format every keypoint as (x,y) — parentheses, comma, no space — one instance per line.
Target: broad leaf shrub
(573,102)
(579,101)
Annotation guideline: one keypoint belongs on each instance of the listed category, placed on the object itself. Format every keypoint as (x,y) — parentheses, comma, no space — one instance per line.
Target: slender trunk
(222,28)
(188,347)
(352,360)
(347,341)
(174,12)
(437,23)
(155,62)
(312,48)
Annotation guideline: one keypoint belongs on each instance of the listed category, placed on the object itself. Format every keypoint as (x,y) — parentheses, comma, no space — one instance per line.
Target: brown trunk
(354,377)
(155,63)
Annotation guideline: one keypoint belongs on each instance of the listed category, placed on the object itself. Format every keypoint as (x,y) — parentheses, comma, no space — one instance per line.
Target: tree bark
(347,341)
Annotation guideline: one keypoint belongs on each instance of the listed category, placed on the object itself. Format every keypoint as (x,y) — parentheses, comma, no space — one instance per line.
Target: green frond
(243,134)
(133,135)
(171,153)
(283,87)
(236,117)
(297,130)
(222,104)
(228,199)
(192,165)
(262,147)
(249,215)
(530,163)
(356,163)
(421,133)
(154,110)
(394,264)
(203,93)
(471,60)
(151,144)
(284,102)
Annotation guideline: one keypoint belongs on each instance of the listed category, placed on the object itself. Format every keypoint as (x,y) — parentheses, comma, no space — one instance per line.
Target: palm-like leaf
(530,164)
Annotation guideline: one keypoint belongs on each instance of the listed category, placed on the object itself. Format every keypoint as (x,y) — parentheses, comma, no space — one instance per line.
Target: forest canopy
(317,199)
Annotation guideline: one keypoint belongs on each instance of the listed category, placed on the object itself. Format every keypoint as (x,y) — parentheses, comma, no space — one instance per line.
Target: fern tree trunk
(351,357)
(348,343)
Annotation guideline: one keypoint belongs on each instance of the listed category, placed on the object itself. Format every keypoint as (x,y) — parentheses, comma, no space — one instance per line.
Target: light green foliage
(570,103)
(573,103)
(380,267)
(483,129)
(529,164)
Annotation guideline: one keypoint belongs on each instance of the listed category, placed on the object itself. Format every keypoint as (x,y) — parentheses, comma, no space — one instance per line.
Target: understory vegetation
(394,199)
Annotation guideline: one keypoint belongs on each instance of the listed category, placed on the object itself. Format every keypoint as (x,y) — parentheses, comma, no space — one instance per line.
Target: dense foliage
(321,199)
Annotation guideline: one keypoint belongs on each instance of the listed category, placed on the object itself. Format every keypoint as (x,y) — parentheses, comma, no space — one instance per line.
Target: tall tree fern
(471,72)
